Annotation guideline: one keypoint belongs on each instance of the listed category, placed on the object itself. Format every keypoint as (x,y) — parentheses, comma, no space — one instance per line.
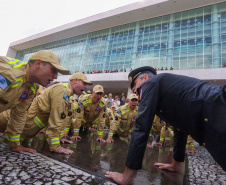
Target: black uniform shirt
(192,106)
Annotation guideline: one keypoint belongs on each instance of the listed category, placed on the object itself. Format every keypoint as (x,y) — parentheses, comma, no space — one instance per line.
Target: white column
(129,92)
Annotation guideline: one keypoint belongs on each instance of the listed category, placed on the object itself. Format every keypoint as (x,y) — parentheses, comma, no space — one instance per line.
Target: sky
(23,18)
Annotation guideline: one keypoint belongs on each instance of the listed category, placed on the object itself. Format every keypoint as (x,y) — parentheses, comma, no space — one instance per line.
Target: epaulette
(102,104)
(75,106)
(85,98)
(136,110)
(124,107)
(56,82)
(103,101)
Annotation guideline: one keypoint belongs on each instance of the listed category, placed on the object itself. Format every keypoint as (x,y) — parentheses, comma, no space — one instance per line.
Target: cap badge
(130,79)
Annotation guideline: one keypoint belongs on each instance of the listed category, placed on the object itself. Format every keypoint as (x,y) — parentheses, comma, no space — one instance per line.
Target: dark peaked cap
(136,72)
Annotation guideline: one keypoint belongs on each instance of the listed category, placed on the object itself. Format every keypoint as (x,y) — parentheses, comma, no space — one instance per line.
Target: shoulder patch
(118,111)
(80,104)
(134,117)
(98,109)
(66,97)
(4,82)
(69,106)
(24,96)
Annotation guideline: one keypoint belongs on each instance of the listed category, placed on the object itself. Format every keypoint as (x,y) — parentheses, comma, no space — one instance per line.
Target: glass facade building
(192,39)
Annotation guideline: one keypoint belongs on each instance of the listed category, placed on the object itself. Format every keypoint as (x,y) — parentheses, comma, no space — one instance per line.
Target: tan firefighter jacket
(89,113)
(125,119)
(16,93)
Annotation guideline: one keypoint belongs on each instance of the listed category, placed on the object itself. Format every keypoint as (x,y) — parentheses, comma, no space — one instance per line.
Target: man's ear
(146,77)
(75,81)
(37,63)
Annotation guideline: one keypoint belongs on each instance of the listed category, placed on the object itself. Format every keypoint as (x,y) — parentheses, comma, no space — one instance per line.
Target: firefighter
(51,108)
(110,117)
(166,134)
(18,87)
(156,129)
(69,120)
(124,119)
(190,148)
(91,110)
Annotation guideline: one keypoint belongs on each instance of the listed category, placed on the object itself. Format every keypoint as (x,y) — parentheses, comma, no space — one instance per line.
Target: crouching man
(51,108)
(91,111)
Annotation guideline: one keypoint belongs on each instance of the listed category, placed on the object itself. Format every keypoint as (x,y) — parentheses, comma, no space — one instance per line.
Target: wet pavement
(38,169)
(202,168)
(98,158)
(92,159)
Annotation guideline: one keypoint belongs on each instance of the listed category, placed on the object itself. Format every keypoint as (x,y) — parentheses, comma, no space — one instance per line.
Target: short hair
(32,62)
(150,74)
(110,94)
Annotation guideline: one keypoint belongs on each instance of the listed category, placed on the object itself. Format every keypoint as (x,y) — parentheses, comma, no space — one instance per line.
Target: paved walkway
(202,168)
(37,169)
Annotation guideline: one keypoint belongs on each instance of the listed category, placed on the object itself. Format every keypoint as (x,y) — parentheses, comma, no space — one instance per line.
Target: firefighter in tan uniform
(18,87)
(40,90)
(166,134)
(5,115)
(125,119)
(113,108)
(190,148)
(70,118)
(83,94)
(91,110)
(51,108)
(4,118)
(109,117)
(156,129)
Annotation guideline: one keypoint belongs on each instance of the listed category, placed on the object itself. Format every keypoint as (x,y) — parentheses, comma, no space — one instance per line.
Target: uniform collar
(70,88)
(25,68)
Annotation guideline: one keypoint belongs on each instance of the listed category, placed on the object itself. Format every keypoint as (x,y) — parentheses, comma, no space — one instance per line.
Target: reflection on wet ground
(38,169)
(99,158)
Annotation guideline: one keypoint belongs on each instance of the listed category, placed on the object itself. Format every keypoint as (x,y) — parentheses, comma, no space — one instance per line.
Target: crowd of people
(161,69)
(121,70)
(106,71)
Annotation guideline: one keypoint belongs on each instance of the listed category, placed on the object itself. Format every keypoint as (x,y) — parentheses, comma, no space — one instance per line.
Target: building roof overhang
(141,10)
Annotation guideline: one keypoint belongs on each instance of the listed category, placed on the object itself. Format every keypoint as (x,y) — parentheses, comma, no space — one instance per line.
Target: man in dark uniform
(192,106)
